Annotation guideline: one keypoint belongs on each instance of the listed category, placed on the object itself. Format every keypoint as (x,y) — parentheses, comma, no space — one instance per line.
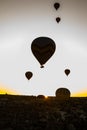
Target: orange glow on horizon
(46,97)
(4,90)
(80,94)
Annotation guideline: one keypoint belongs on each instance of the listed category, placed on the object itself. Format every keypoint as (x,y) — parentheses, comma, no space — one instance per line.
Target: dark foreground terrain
(32,113)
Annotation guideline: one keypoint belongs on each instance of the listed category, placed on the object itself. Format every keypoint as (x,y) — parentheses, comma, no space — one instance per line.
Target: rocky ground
(32,113)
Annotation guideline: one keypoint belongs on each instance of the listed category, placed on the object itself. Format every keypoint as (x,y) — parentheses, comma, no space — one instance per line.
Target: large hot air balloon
(62,93)
(28,75)
(56,5)
(67,72)
(43,48)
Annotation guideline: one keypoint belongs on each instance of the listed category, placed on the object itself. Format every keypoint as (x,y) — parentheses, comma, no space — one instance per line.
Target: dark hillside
(32,113)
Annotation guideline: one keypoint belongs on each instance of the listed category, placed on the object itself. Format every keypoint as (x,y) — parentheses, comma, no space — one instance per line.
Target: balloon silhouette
(56,5)
(28,75)
(67,72)
(43,48)
(40,96)
(63,93)
(58,19)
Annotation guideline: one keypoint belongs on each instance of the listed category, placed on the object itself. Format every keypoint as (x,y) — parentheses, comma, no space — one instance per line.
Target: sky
(22,21)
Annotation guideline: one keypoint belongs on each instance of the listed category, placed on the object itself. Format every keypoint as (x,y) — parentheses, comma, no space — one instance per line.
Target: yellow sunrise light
(79,94)
(5,90)
(46,97)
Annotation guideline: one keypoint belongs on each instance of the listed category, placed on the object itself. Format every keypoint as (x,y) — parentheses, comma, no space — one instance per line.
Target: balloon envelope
(63,93)
(40,96)
(67,72)
(28,75)
(58,19)
(56,5)
(43,48)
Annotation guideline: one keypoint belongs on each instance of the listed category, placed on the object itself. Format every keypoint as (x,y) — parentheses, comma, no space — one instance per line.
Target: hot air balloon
(41,97)
(56,5)
(28,75)
(62,93)
(67,72)
(43,48)
(58,19)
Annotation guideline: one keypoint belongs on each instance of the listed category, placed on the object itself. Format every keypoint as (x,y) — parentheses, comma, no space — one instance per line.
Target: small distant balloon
(56,5)
(67,72)
(40,96)
(43,48)
(58,19)
(28,75)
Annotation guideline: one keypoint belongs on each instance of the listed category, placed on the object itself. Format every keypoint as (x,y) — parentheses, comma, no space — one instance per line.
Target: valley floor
(32,113)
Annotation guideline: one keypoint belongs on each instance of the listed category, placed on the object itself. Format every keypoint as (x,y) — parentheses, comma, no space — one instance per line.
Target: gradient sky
(21,21)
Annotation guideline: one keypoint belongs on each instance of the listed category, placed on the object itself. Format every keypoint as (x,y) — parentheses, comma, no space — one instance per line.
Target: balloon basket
(42,66)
